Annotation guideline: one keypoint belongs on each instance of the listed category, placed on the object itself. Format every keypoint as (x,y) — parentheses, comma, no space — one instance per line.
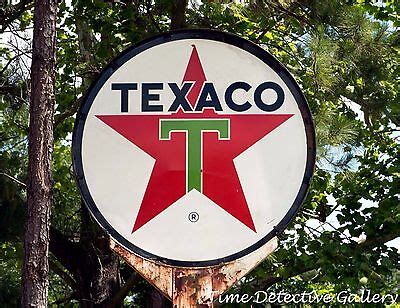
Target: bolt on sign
(194,148)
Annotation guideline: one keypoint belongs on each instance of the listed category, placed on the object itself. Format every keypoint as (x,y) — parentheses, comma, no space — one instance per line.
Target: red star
(167,183)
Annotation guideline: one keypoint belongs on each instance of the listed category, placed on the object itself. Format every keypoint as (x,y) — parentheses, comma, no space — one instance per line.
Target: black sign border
(180,35)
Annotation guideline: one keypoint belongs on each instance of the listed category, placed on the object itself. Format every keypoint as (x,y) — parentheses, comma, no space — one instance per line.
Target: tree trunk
(94,268)
(178,9)
(157,300)
(98,277)
(40,148)
(97,273)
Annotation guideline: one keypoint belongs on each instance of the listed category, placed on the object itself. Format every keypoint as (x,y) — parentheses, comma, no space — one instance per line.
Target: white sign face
(194,148)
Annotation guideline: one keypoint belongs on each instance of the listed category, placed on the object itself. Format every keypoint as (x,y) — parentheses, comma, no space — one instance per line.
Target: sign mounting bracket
(194,287)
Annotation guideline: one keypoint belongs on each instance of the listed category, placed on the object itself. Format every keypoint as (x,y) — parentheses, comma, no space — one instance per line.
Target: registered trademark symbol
(194,216)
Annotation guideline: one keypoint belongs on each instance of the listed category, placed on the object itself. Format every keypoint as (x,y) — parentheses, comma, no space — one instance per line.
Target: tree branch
(13,179)
(14,12)
(63,300)
(372,242)
(123,292)
(59,118)
(67,252)
(62,274)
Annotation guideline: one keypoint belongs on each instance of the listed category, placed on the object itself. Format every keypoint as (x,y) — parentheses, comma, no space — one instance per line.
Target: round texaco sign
(194,148)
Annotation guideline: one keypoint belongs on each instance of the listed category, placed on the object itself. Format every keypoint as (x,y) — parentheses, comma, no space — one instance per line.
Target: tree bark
(97,272)
(40,149)
(92,264)
(157,300)
(178,9)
